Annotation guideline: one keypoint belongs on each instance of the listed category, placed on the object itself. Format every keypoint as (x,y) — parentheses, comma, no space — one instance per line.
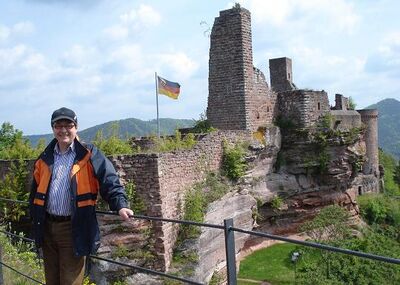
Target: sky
(99,57)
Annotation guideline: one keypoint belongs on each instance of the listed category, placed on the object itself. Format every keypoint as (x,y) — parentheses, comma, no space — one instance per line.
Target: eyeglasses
(59,127)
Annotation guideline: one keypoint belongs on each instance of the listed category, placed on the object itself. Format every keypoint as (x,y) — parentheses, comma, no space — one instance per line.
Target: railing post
(1,266)
(230,251)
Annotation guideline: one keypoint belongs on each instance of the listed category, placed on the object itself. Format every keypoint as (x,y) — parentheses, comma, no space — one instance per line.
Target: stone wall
(262,108)
(229,68)
(239,96)
(281,74)
(341,102)
(345,120)
(303,107)
(178,171)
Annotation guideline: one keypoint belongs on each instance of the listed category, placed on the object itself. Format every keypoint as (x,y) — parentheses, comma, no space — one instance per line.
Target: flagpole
(158,119)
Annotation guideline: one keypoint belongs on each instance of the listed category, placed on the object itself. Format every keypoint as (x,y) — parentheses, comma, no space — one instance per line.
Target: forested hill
(127,128)
(389,125)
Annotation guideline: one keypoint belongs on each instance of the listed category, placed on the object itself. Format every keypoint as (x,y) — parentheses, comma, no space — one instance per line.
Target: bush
(14,146)
(233,163)
(193,211)
(203,125)
(380,209)
(276,202)
(20,256)
(113,145)
(167,144)
(197,200)
(13,187)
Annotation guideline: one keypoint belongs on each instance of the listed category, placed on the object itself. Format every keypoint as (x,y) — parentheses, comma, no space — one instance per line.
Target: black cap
(64,114)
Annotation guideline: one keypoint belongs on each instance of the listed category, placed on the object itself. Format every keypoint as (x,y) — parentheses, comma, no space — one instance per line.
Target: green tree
(389,165)
(8,135)
(323,267)
(14,146)
(352,104)
(113,145)
(13,186)
(396,174)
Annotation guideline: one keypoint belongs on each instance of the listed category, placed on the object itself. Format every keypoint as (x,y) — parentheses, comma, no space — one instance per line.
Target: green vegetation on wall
(203,125)
(173,143)
(233,161)
(196,201)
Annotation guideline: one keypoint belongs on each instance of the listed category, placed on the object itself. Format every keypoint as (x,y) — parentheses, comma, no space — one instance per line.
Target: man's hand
(124,213)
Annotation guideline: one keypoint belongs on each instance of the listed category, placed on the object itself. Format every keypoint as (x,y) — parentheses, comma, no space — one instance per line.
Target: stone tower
(280,70)
(369,117)
(239,97)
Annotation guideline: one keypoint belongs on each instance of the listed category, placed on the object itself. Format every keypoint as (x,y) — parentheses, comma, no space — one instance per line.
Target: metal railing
(230,250)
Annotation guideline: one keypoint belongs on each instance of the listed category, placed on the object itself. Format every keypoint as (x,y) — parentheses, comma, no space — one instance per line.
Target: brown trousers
(61,266)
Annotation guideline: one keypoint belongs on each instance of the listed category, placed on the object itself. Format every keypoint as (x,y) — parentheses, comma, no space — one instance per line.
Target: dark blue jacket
(91,173)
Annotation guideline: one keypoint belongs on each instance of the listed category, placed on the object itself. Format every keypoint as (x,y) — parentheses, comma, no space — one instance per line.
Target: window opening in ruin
(359,190)
(267,109)
(337,123)
(319,106)
(288,75)
(257,115)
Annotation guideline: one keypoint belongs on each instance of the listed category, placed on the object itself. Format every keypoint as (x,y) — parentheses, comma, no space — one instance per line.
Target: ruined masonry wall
(229,68)
(239,96)
(180,170)
(303,107)
(262,102)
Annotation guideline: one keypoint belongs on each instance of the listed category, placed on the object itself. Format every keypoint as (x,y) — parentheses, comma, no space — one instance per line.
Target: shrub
(276,202)
(20,256)
(13,187)
(136,203)
(380,209)
(233,163)
(113,145)
(14,146)
(203,125)
(166,144)
(193,211)
(325,122)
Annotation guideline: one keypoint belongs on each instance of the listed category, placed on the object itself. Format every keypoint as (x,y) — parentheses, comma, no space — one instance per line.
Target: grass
(270,264)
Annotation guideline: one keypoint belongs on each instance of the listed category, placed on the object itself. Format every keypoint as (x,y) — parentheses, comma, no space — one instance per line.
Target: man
(67,178)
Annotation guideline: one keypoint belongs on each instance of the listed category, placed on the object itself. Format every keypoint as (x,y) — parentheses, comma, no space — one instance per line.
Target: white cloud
(81,56)
(387,57)
(4,33)
(178,64)
(133,22)
(23,28)
(144,16)
(320,15)
(129,56)
(117,32)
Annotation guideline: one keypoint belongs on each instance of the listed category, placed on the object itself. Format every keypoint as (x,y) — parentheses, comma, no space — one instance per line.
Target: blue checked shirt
(59,199)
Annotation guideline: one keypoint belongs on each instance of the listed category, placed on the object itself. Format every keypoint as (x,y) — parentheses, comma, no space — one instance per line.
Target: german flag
(168,88)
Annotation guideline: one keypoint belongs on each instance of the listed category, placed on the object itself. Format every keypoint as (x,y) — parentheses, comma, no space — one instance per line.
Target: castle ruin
(240,98)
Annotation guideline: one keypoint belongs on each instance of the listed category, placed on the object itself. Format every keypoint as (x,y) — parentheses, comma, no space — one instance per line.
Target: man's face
(65,132)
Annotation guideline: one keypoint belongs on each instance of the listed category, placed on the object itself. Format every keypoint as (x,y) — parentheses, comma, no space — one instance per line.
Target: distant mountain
(127,128)
(389,125)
